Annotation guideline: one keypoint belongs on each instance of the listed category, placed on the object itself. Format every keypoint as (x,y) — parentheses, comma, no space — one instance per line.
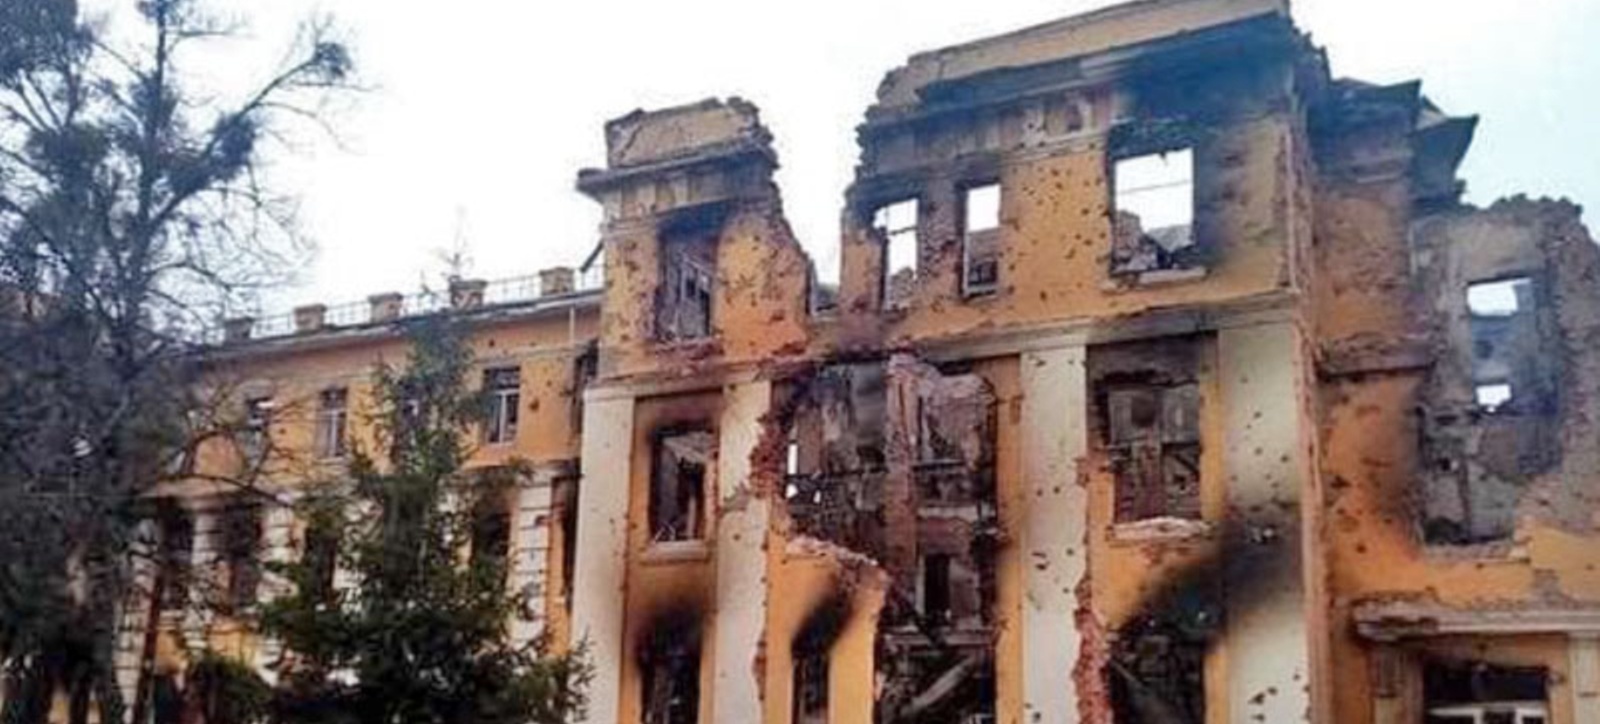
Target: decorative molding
(1392,621)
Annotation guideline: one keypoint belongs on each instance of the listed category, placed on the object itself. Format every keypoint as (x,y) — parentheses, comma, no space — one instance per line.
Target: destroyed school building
(1167,379)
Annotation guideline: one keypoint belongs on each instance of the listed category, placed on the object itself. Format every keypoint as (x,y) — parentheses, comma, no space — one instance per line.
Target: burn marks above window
(1152,170)
(896,224)
(680,471)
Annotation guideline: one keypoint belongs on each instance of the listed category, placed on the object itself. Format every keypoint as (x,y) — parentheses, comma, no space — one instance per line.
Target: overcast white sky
(483,111)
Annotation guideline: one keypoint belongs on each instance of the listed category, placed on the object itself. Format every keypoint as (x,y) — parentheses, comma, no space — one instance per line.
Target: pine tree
(419,633)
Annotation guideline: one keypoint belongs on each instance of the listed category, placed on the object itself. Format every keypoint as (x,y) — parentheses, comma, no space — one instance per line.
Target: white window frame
(980,221)
(500,428)
(332,423)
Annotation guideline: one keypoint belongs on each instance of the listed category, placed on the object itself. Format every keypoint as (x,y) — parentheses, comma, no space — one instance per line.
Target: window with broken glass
(1153,440)
(678,480)
(980,241)
(255,437)
(491,532)
(1479,693)
(241,551)
(332,417)
(688,279)
(504,390)
(1152,203)
(896,225)
(810,685)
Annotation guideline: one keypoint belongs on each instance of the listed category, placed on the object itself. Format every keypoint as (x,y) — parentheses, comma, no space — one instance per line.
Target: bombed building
(1167,379)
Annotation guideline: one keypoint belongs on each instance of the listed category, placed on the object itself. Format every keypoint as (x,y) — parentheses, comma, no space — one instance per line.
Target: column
(1266,446)
(741,559)
(134,615)
(202,581)
(598,593)
(277,548)
(1055,524)
(1585,678)
(530,553)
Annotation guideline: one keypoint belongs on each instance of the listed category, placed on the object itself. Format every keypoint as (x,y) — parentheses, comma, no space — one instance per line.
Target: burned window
(1505,335)
(896,224)
(678,480)
(1157,666)
(1480,693)
(175,556)
(933,589)
(333,416)
(688,283)
(1152,201)
(241,551)
(810,685)
(166,700)
(980,242)
(671,680)
(1153,439)
(504,390)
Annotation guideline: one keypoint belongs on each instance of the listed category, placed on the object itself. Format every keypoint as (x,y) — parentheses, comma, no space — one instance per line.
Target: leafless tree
(132,211)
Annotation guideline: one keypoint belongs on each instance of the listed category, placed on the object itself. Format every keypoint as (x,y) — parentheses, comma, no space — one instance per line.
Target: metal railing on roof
(512,290)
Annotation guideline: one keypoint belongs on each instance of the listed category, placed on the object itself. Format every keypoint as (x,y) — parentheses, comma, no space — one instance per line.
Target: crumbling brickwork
(1168,379)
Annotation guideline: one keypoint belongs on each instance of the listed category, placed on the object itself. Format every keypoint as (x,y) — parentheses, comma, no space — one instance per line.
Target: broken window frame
(980,245)
(686,299)
(935,598)
(1149,259)
(503,387)
(1143,461)
(692,517)
(809,688)
(492,521)
(333,416)
(320,554)
(1482,705)
(903,236)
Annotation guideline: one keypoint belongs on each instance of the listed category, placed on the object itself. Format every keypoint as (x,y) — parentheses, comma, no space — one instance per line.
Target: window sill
(677,551)
(1503,552)
(1154,278)
(1161,530)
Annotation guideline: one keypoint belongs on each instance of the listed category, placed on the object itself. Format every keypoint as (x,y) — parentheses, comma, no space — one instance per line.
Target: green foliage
(229,691)
(421,634)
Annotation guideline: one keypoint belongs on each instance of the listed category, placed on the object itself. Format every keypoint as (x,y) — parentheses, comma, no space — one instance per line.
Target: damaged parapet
(659,161)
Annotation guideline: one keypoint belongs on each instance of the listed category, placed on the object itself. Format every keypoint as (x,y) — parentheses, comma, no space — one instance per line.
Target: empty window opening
(933,590)
(810,685)
(1479,693)
(333,415)
(897,223)
(980,244)
(504,389)
(241,550)
(166,700)
(1505,341)
(176,549)
(1157,666)
(688,283)
(671,680)
(1153,212)
(678,482)
(1153,440)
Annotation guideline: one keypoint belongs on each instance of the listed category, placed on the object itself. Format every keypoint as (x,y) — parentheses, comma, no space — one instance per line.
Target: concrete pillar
(741,558)
(1585,678)
(1266,445)
(598,593)
(530,553)
(204,556)
(277,548)
(1055,522)
(134,615)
